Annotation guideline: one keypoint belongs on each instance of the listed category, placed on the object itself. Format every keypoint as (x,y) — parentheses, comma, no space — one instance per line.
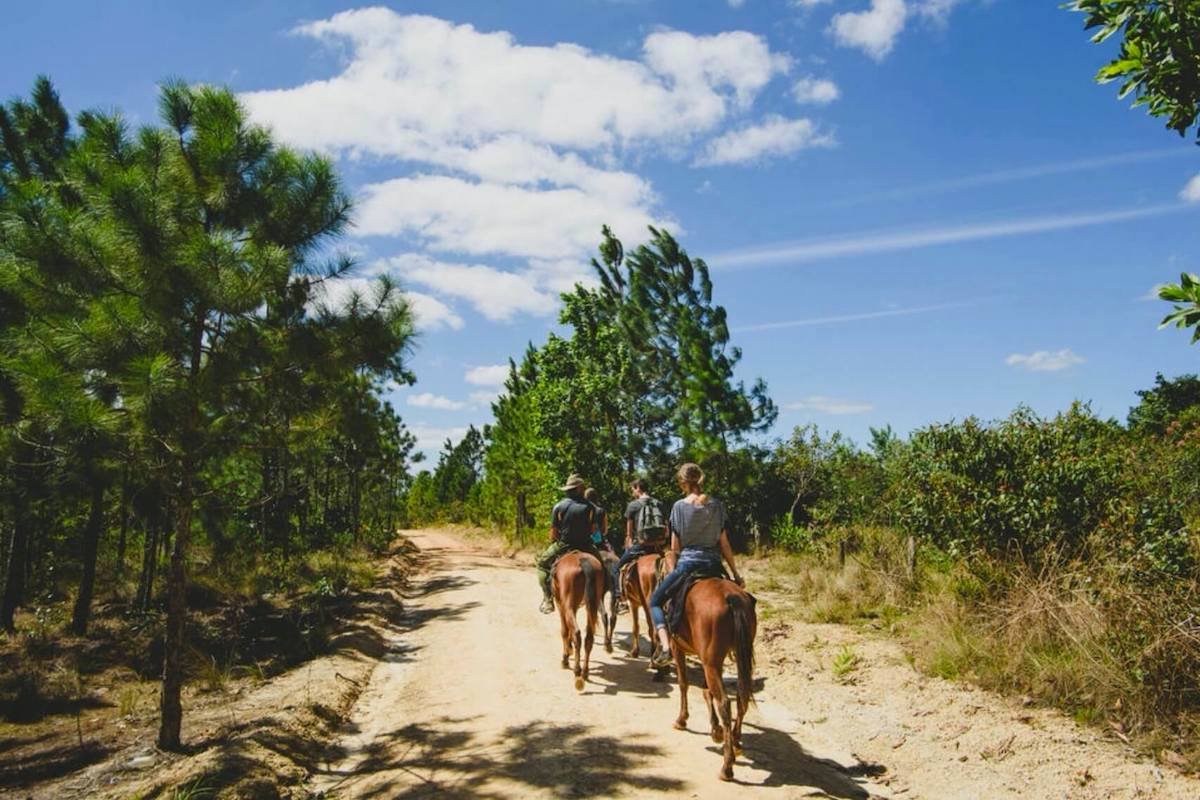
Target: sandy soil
(472,703)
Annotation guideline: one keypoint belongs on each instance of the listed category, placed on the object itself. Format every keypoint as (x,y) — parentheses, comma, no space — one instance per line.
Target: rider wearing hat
(571,523)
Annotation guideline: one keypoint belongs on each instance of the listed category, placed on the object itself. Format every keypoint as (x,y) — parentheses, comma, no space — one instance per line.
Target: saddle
(624,577)
(591,551)
(675,603)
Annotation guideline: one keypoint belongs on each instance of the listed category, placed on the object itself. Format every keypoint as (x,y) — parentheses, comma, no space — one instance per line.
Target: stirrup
(662,659)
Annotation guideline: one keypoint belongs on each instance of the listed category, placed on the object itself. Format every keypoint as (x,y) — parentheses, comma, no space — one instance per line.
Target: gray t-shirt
(698,526)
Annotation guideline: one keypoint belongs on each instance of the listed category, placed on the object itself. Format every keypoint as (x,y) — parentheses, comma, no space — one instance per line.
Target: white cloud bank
(823,404)
(513,151)
(488,375)
(775,136)
(430,400)
(1045,360)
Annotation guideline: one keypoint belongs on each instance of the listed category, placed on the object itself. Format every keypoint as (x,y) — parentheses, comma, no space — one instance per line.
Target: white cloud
(1190,193)
(736,3)
(819,91)
(775,136)
(490,375)
(454,215)
(430,438)
(891,241)
(874,31)
(430,400)
(822,404)
(495,293)
(413,82)
(431,313)
(485,399)
(1045,360)
(936,11)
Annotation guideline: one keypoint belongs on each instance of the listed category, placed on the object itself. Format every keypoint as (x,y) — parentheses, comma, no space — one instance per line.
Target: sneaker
(662,659)
(622,605)
(547,605)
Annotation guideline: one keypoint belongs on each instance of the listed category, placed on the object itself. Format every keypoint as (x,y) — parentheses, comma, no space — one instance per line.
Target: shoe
(547,605)
(662,659)
(622,605)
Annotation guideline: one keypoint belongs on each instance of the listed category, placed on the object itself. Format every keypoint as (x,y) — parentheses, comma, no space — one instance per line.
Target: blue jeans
(689,561)
(632,553)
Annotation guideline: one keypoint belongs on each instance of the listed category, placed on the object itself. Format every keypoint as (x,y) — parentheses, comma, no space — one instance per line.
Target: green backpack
(650,525)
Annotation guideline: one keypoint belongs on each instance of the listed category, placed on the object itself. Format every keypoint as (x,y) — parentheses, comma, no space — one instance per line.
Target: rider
(571,524)
(644,532)
(599,534)
(700,535)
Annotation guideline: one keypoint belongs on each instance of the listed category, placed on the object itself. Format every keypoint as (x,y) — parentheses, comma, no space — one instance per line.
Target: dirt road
(470,701)
(473,703)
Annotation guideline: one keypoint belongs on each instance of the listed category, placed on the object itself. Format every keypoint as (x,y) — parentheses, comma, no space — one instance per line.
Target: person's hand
(740,581)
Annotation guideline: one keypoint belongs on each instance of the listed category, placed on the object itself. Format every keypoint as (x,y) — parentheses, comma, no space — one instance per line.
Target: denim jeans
(689,561)
(632,553)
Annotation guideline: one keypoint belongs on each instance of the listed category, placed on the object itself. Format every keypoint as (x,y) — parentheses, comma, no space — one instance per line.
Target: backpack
(650,525)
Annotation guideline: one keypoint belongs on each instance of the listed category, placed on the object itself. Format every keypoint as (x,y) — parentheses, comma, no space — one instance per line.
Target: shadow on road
(442,758)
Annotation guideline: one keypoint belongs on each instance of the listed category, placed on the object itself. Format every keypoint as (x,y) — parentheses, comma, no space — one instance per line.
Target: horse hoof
(579,684)
(718,736)
(725,775)
(737,750)
(681,724)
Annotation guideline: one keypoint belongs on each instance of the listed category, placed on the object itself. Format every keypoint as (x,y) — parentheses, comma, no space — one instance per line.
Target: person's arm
(727,554)
(676,545)
(628,533)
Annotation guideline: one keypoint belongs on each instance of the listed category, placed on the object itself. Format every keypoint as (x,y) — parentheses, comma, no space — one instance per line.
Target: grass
(844,665)
(1100,644)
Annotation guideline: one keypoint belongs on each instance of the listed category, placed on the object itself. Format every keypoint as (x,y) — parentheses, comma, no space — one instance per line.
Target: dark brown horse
(578,579)
(641,578)
(718,618)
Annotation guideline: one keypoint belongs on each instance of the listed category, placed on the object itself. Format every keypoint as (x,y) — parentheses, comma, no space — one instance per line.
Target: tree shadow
(443,759)
(787,763)
(17,771)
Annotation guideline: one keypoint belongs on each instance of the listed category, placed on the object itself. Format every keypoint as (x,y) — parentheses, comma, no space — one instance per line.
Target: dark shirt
(573,519)
(698,527)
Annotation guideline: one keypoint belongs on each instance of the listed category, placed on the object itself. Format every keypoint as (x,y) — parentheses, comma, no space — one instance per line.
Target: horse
(718,618)
(578,579)
(640,579)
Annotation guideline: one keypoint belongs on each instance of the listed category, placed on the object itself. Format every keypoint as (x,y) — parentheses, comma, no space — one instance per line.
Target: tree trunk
(171,708)
(124,511)
(149,562)
(91,544)
(14,581)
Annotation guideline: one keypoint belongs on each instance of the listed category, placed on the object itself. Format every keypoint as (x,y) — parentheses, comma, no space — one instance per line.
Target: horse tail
(741,609)
(589,578)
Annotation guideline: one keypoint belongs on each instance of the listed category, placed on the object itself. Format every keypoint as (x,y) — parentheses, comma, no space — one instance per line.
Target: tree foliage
(170,361)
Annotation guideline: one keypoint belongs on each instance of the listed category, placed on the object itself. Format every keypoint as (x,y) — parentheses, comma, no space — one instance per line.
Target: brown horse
(578,579)
(718,618)
(641,578)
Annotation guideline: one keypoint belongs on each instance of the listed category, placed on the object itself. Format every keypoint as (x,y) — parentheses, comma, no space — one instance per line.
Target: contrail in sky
(1011,175)
(891,241)
(894,312)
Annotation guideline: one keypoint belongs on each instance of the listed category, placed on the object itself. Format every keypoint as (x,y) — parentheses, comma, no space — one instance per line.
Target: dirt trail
(471,702)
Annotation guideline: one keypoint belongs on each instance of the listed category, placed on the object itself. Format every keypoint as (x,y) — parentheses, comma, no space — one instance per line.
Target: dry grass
(1091,639)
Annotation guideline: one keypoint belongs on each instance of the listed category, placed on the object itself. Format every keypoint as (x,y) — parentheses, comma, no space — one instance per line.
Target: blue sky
(915,210)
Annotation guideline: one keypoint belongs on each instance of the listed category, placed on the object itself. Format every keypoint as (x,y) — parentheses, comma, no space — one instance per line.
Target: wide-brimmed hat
(575,481)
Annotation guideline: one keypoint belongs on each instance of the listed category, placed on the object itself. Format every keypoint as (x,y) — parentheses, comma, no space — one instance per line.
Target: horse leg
(714,723)
(649,620)
(588,640)
(716,690)
(635,645)
(742,706)
(681,671)
(565,631)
